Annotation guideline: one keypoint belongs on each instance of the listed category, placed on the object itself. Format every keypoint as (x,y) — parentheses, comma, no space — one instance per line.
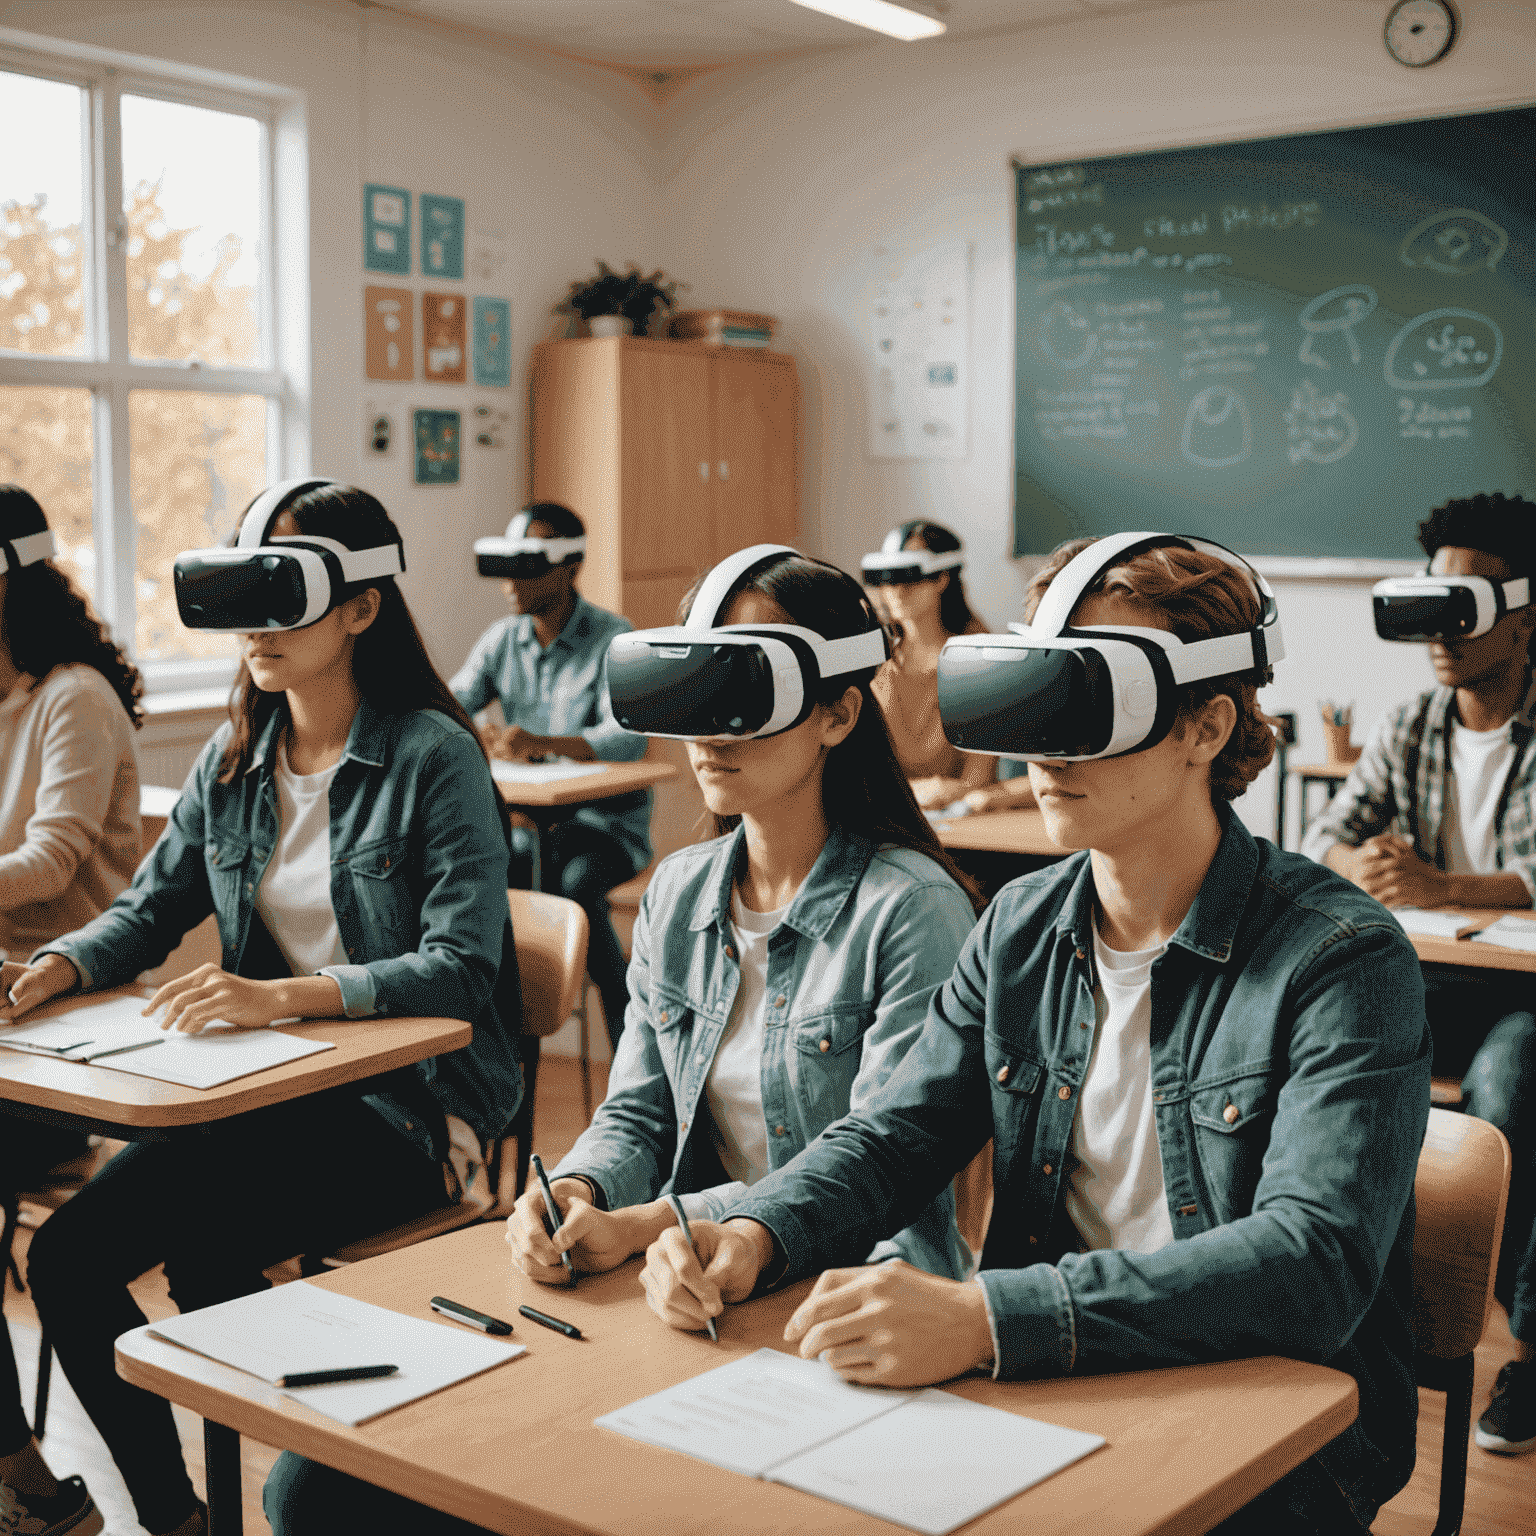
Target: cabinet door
(667,473)
(756,418)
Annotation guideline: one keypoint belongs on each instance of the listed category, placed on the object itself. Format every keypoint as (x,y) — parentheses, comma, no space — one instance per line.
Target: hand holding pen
(553,1210)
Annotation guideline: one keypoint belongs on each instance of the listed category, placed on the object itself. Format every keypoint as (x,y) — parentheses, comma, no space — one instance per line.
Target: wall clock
(1418,32)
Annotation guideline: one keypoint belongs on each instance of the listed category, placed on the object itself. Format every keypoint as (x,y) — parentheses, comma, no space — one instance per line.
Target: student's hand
(1388,868)
(490,734)
(195,1000)
(935,793)
(33,985)
(891,1325)
(596,1240)
(520,745)
(685,1288)
(1009,795)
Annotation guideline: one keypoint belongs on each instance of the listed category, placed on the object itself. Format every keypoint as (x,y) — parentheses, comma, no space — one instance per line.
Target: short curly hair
(1499,525)
(1200,596)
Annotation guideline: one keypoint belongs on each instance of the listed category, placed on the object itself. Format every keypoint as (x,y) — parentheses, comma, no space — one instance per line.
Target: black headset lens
(523,567)
(241,595)
(898,575)
(1048,703)
(1430,616)
(691,690)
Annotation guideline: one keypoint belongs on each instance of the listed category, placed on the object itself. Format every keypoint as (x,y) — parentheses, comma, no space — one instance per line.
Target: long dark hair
(863,788)
(390,664)
(954,611)
(47,621)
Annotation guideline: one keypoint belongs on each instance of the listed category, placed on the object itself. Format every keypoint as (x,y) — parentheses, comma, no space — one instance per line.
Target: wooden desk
(1020,832)
(515,1450)
(1487,957)
(610,780)
(143,1108)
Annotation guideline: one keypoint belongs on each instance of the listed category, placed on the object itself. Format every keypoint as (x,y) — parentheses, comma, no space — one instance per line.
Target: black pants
(216,1208)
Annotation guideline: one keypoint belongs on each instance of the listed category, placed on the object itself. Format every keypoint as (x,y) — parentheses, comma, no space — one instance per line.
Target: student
(781,971)
(69,843)
(344,830)
(1203,1063)
(544,664)
(1438,812)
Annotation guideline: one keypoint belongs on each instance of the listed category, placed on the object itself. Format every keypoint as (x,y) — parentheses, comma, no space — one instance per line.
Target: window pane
(42,256)
(192,194)
(195,462)
(45,447)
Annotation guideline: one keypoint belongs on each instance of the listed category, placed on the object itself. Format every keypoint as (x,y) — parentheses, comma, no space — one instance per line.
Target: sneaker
(70,1512)
(1508,1428)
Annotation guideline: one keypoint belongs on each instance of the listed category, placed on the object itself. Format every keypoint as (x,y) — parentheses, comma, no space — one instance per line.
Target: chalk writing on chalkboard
(1458,243)
(1445,349)
(1339,310)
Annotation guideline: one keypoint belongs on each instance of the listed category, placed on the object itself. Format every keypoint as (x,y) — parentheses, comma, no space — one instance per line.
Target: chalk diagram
(1218,430)
(1457,242)
(1341,309)
(1067,337)
(1319,428)
(1444,349)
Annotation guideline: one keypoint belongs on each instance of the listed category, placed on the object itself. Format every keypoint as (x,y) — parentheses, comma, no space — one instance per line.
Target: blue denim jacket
(418,885)
(865,944)
(1290,1076)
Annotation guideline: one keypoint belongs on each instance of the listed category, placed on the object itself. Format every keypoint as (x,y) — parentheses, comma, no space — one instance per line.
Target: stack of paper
(927,1460)
(1510,933)
(540,773)
(1435,924)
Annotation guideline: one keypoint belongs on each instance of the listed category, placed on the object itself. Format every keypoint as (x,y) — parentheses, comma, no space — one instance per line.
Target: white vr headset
(1053,693)
(894,566)
(282,581)
(704,681)
(1420,608)
(517,556)
(27,550)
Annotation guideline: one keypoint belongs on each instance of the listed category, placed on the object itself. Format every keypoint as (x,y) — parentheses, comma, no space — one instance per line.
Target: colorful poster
(389,326)
(442,337)
(493,343)
(442,236)
(437,447)
(386,229)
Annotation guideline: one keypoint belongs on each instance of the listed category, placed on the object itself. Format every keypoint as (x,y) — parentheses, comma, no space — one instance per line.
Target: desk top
(612,779)
(515,1449)
(1337,772)
(1486,957)
(1000,832)
(363,1048)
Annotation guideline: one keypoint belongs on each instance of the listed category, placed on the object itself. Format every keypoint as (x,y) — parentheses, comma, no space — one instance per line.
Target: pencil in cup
(682,1221)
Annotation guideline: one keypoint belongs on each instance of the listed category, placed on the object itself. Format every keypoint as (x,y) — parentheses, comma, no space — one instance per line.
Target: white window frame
(109,372)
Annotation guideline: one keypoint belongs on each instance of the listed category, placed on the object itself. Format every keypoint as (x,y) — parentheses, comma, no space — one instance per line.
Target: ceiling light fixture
(879,16)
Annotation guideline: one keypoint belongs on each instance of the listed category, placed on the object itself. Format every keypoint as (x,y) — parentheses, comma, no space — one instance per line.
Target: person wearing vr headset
(1439,812)
(544,663)
(69,842)
(1203,1062)
(344,830)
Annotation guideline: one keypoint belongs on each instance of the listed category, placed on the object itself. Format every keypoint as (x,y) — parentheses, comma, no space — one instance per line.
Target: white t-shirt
(735,1086)
(1480,763)
(294,898)
(1114,1188)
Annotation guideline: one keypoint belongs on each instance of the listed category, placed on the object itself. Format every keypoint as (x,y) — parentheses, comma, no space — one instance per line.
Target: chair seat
(1445,1091)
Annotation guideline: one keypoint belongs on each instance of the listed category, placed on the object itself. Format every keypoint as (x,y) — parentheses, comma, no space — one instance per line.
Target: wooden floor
(1501,1492)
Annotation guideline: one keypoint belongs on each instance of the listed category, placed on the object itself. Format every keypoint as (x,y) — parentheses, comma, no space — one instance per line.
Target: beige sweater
(69,805)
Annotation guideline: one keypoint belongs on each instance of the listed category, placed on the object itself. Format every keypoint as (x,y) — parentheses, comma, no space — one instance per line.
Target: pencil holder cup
(1339,749)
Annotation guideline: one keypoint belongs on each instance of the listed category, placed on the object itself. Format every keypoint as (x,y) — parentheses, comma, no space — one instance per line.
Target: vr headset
(516,556)
(1054,693)
(27,550)
(703,681)
(1444,607)
(894,566)
(286,581)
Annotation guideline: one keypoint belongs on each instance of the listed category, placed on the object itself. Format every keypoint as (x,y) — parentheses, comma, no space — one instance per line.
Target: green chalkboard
(1297,346)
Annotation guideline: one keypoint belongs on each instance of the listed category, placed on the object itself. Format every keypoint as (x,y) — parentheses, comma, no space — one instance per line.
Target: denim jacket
(418,885)
(1290,1079)
(865,944)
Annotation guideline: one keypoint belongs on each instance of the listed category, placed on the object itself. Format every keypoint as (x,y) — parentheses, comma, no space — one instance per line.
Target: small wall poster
(437,447)
(386,229)
(442,236)
(493,343)
(389,327)
(442,337)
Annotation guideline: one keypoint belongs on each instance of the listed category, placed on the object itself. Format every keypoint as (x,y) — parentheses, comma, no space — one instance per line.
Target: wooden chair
(1460,1190)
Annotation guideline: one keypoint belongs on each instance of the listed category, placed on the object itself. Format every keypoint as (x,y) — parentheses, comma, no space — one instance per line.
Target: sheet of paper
(1510,933)
(299,1327)
(752,1414)
(935,1462)
(1432,925)
(86,1031)
(541,773)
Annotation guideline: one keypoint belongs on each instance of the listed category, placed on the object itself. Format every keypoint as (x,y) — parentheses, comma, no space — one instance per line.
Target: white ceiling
(694,34)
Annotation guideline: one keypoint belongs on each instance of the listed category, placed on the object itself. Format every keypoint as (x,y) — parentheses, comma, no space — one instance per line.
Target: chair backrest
(1462,1183)
(551,936)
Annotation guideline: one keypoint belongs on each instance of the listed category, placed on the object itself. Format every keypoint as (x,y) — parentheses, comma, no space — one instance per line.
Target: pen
(553,1209)
(462,1314)
(345,1373)
(570,1330)
(122,1050)
(682,1221)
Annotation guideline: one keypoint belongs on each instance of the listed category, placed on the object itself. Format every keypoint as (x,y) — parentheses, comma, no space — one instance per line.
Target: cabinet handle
(725,470)
(703,469)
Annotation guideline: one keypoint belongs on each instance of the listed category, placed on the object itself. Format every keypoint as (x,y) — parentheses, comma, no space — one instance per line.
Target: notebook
(1510,933)
(1435,925)
(540,773)
(926,1459)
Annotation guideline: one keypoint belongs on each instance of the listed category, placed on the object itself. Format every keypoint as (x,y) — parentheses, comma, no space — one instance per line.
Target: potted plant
(626,301)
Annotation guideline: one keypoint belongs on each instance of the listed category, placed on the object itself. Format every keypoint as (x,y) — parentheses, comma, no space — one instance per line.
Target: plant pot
(609,325)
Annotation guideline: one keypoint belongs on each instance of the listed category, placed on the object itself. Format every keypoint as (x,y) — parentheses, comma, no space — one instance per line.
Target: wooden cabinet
(673,453)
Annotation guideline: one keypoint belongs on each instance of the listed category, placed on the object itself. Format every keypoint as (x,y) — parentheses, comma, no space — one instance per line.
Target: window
(140,397)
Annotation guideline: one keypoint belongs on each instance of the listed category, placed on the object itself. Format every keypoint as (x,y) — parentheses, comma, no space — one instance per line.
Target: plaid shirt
(1399,785)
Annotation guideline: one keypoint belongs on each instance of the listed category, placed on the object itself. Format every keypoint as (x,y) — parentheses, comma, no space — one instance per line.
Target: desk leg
(221,1461)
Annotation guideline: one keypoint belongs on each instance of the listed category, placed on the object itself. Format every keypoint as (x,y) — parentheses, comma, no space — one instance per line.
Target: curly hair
(1199,596)
(47,621)
(1499,525)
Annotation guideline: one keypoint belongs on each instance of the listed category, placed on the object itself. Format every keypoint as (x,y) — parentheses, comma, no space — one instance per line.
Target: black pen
(682,1221)
(570,1330)
(553,1209)
(121,1050)
(345,1373)
(462,1314)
